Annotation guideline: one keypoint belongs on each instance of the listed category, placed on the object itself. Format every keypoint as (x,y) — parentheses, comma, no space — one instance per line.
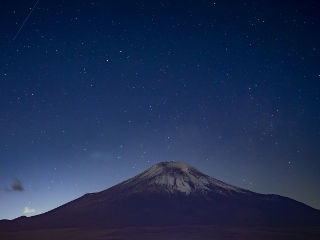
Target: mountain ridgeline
(172,194)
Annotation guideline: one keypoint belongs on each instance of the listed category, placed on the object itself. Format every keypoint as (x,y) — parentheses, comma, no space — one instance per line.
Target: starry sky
(94,92)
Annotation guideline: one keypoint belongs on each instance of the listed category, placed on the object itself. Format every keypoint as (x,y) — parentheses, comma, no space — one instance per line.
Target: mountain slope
(172,193)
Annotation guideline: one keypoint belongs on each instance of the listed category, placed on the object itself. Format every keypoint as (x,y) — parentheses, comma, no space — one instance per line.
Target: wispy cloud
(16,186)
(27,210)
(100,155)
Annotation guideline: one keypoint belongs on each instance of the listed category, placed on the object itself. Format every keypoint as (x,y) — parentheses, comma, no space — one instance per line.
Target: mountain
(172,194)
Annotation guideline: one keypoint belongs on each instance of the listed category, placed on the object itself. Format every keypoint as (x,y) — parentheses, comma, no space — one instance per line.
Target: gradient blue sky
(95,92)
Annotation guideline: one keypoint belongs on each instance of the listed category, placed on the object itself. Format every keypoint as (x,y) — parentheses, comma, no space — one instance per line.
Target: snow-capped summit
(177,176)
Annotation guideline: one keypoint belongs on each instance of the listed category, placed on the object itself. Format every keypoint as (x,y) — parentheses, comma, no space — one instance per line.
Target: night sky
(94,92)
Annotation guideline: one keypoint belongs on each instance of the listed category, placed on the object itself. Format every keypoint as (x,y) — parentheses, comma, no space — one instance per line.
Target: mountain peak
(175,165)
(172,166)
(176,176)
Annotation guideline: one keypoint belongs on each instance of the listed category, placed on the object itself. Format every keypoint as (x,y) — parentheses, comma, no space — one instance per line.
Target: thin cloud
(27,210)
(16,186)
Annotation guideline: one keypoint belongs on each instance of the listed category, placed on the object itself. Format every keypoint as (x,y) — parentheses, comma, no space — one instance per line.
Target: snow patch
(182,177)
(176,176)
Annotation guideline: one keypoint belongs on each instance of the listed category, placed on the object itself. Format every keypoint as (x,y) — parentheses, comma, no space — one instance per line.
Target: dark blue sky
(95,92)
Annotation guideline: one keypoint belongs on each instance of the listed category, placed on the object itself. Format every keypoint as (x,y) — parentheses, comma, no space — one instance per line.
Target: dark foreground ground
(168,233)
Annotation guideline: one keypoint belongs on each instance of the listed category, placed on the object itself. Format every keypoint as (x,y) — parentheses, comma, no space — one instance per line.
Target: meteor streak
(25,20)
